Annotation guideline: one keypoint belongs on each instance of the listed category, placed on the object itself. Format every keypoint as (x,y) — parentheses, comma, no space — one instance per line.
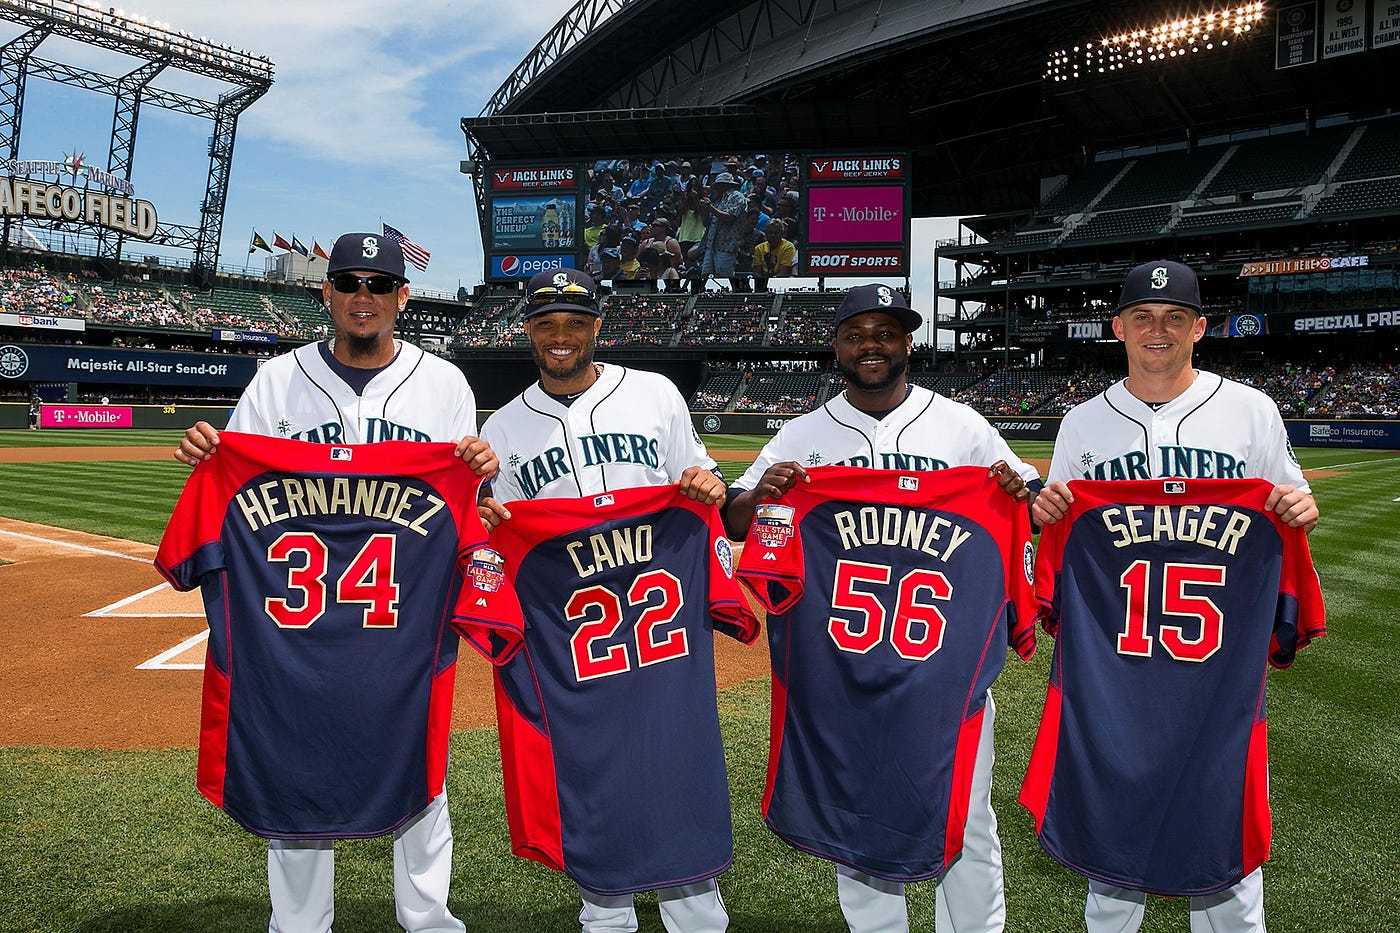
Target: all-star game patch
(487,569)
(773,524)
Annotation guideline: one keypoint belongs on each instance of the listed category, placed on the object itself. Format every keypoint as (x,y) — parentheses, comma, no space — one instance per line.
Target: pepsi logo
(510,265)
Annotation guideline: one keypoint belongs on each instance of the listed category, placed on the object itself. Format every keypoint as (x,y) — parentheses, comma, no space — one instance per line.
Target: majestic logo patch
(369,247)
(487,570)
(1174,488)
(601,501)
(910,483)
(341,453)
(1159,277)
(725,553)
(774,524)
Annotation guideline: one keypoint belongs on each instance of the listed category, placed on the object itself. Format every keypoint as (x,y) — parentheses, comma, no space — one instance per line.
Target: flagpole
(252,231)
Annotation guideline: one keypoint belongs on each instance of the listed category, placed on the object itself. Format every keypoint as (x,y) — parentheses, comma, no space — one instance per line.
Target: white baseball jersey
(926,432)
(1216,429)
(417,397)
(630,428)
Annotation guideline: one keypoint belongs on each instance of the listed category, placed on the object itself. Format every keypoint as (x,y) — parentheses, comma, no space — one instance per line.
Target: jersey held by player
(1168,599)
(892,598)
(329,575)
(620,594)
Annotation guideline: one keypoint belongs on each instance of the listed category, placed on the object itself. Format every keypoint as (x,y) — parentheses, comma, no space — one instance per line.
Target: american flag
(414,253)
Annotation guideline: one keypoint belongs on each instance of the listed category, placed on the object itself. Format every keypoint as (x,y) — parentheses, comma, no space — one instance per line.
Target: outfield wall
(69,417)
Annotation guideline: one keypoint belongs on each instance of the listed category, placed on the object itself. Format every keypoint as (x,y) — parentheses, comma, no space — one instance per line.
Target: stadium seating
(1360,197)
(1120,225)
(1081,188)
(808,319)
(1277,163)
(727,319)
(1161,179)
(1376,153)
(769,390)
(716,391)
(640,319)
(1255,216)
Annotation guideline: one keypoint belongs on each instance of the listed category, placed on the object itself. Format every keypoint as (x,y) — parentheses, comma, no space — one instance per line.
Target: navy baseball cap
(561,290)
(1160,282)
(366,252)
(884,298)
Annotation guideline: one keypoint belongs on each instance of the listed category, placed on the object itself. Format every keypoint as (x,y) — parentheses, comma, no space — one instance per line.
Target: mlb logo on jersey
(341,453)
(774,524)
(1174,488)
(911,483)
(602,501)
(487,569)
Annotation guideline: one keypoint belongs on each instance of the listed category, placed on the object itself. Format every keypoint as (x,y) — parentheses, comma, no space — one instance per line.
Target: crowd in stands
(35,291)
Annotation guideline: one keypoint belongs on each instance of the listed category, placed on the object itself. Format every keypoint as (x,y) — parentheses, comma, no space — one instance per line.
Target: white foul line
(109,612)
(76,547)
(159,662)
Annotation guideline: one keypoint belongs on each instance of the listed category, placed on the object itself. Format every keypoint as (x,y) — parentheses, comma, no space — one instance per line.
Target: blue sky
(361,124)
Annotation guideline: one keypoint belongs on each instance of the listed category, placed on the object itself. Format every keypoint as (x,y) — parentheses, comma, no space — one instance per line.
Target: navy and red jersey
(329,576)
(610,743)
(1168,600)
(892,597)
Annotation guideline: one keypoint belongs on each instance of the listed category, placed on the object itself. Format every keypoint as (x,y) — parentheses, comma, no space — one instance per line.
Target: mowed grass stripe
(95,437)
(130,500)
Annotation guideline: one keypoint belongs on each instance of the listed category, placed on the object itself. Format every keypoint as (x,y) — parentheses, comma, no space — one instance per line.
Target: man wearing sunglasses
(361,386)
(587,429)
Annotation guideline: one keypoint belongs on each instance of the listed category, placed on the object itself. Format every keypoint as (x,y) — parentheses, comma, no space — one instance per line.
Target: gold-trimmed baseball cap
(561,290)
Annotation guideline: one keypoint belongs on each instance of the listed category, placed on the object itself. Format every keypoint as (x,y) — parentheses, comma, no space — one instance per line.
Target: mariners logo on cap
(884,296)
(561,279)
(369,247)
(1159,277)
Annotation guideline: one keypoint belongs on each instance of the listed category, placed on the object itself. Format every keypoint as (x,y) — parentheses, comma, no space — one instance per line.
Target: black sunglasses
(349,283)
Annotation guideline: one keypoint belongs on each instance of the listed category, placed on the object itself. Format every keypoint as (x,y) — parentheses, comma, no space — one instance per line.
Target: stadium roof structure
(962,85)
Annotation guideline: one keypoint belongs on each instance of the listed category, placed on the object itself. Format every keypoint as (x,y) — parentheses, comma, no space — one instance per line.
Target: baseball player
(882,421)
(361,386)
(583,429)
(1167,419)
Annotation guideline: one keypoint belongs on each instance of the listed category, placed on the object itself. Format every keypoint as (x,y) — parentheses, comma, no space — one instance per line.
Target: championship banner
(42,321)
(1297,36)
(1385,24)
(1306,264)
(1343,27)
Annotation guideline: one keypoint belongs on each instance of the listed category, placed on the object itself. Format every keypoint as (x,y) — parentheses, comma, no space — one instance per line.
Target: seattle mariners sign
(22,198)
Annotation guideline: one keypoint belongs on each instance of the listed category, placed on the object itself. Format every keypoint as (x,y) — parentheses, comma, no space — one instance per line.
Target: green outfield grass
(120,841)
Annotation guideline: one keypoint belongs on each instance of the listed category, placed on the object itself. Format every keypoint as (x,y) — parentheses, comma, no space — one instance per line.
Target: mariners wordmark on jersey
(332,432)
(1172,461)
(613,447)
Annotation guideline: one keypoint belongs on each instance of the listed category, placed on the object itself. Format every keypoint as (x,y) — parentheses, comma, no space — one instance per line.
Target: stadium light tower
(158,46)
(1175,39)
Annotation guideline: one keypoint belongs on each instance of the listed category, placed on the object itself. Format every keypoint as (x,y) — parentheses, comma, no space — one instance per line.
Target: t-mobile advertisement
(855,215)
(85,416)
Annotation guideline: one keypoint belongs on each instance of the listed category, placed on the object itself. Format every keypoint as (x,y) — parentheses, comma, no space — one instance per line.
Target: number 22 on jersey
(660,591)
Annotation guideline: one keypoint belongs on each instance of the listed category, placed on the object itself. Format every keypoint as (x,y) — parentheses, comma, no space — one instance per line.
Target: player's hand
(779,478)
(478,455)
(1010,481)
(492,512)
(1052,504)
(702,485)
(198,444)
(1296,508)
